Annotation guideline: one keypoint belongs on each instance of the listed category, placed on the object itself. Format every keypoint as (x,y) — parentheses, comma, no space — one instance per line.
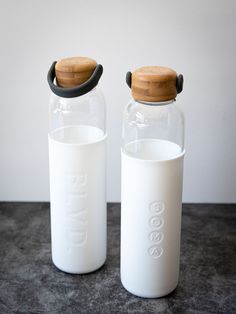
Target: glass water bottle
(77,162)
(152,172)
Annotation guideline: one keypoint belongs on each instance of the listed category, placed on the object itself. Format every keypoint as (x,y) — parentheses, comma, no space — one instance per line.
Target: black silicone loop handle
(70,92)
(179,83)
(129,78)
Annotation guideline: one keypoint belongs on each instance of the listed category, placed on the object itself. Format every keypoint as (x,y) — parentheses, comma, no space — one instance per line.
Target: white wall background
(196,38)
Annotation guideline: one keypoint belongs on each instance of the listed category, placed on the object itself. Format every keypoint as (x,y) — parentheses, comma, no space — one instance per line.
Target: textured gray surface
(29,283)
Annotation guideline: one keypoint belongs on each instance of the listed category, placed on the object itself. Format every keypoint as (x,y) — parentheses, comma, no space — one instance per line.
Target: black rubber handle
(70,92)
(179,83)
(128,78)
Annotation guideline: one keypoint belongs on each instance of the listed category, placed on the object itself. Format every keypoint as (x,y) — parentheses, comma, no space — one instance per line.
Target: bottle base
(155,295)
(71,271)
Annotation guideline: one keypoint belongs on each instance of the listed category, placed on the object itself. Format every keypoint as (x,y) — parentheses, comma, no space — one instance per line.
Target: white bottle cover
(78,203)
(151,203)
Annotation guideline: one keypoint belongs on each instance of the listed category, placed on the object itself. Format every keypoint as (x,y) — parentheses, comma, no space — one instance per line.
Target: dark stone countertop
(29,283)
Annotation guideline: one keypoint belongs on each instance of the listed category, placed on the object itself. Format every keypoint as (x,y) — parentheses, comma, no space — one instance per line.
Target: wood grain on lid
(74,71)
(154,84)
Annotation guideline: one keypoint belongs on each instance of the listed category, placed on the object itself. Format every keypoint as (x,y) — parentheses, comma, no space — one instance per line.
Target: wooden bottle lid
(74,71)
(154,84)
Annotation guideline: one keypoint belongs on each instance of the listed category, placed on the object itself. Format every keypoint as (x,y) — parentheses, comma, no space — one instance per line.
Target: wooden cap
(74,71)
(153,84)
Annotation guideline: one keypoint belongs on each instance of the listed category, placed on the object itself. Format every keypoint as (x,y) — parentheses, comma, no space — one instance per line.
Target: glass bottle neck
(159,103)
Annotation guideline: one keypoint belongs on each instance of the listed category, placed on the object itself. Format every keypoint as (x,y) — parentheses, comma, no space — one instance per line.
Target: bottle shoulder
(93,97)
(145,122)
(88,109)
(151,113)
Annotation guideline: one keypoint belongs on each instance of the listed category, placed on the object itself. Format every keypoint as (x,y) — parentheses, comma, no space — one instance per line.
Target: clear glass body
(78,119)
(153,131)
